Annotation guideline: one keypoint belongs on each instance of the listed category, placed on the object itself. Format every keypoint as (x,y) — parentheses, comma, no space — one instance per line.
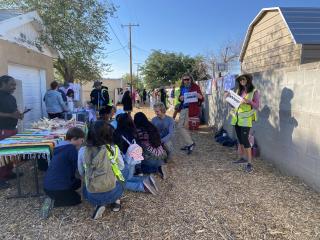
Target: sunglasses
(186,79)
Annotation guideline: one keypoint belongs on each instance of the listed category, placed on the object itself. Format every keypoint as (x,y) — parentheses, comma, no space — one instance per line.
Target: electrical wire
(123,47)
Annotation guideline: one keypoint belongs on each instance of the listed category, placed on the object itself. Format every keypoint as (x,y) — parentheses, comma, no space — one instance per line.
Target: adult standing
(138,99)
(9,116)
(188,110)
(100,97)
(176,102)
(54,103)
(144,96)
(163,97)
(243,116)
(127,102)
(152,98)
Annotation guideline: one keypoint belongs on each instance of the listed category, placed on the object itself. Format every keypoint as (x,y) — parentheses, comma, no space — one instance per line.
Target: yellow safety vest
(244,114)
(114,163)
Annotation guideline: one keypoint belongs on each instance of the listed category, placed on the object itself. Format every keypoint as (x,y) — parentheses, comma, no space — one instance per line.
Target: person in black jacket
(127,102)
(144,96)
(163,97)
(99,96)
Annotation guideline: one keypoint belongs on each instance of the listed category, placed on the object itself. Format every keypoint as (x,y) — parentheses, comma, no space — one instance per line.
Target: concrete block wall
(288,130)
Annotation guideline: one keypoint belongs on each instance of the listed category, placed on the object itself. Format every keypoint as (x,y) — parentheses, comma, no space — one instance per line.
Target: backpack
(134,153)
(99,176)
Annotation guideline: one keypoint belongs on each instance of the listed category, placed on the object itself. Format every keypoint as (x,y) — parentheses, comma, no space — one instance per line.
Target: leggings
(243,135)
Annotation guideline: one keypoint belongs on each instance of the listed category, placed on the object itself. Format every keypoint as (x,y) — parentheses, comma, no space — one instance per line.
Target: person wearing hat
(244,116)
(100,97)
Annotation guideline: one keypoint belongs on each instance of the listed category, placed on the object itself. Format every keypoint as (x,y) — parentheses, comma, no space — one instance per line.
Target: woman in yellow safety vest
(243,116)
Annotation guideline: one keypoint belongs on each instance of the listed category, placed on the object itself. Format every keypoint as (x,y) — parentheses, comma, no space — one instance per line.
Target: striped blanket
(28,145)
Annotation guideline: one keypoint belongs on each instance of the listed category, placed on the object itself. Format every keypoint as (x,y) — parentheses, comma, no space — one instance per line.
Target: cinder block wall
(217,110)
(288,130)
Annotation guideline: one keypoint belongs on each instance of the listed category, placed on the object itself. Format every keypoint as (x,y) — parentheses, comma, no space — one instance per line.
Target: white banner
(190,97)
(234,99)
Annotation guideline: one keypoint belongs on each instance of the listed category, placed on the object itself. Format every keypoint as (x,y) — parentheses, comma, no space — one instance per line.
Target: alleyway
(205,197)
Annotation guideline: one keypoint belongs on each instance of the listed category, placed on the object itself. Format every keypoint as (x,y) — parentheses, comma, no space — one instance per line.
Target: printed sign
(234,99)
(190,97)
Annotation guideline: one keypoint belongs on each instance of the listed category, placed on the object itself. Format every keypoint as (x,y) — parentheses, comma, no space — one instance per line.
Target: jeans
(100,199)
(133,183)
(151,166)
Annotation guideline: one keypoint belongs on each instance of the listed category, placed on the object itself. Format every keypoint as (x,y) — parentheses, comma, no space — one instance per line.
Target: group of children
(117,154)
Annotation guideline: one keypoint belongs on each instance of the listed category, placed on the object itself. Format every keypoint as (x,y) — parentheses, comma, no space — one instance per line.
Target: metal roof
(6,14)
(303,24)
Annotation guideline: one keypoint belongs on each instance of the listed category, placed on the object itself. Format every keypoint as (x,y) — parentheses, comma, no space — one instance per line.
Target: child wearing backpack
(100,164)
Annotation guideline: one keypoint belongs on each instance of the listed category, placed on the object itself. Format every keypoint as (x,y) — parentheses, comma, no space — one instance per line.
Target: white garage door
(33,89)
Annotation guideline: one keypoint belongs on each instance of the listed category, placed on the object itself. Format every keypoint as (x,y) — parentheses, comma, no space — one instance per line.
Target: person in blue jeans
(123,136)
(154,153)
(100,138)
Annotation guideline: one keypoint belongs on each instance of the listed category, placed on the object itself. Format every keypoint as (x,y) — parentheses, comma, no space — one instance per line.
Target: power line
(116,50)
(123,47)
(116,18)
(141,49)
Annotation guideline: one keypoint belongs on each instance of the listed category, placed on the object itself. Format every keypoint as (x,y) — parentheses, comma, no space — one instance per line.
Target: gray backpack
(99,176)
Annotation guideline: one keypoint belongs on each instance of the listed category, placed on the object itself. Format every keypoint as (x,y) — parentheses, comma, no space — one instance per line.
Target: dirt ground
(205,197)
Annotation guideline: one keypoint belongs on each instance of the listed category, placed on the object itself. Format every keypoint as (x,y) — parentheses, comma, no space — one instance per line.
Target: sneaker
(241,160)
(185,148)
(4,185)
(190,148)
(163,172)
(99,210)
(154,183)
(115,207)
(148,186)
(47,207)
(249,168)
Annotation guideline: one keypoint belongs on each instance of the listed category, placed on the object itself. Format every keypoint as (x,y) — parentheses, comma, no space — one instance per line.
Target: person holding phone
(9,117)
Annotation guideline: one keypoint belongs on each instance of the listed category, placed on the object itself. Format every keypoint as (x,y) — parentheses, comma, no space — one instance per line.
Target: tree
(76,29)
(126,78)
(227,54)
(165,68)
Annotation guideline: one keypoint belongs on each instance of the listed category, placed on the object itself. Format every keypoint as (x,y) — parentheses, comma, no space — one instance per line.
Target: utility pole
(130,46)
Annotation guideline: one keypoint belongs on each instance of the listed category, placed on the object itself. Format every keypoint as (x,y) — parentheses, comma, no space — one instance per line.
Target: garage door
(33,89)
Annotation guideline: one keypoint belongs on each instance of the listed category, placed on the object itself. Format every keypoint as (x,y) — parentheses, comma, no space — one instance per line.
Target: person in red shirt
(188,110)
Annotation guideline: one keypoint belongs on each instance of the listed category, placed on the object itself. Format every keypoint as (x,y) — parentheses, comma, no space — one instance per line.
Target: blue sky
(191,26)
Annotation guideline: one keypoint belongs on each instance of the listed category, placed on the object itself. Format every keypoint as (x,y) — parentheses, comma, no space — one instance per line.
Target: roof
(7,14)
(303,24)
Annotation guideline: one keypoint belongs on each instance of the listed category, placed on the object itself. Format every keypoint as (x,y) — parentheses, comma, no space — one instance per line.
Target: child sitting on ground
(100,163)
(60,183)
